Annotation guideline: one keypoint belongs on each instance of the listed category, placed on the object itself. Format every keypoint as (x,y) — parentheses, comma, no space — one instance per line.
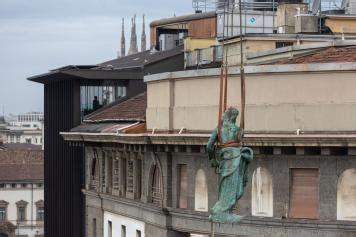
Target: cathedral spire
(123,41)
(143,36)
(133,41)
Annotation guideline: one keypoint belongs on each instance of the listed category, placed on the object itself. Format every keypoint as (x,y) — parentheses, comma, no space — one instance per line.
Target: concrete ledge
(259,69)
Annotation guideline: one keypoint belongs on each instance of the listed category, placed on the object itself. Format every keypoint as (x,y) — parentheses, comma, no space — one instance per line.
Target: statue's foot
(225,218)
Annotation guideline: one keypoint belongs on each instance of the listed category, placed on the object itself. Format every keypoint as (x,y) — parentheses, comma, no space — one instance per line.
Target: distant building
(171,32)
(21,190)
(3,129)
(23,128)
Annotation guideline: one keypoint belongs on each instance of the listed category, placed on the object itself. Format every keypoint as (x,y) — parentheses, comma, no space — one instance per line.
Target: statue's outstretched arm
(211,147)
(212,140)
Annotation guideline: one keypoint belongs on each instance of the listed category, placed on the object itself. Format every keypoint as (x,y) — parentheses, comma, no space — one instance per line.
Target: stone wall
(313,97)
(166,219)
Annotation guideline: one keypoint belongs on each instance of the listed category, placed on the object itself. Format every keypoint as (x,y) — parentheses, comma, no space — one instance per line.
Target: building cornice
(251,69)
(303,140)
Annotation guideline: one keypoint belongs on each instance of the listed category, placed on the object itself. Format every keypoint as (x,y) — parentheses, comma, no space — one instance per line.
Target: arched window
(262,193)
(201,192)
(156,187)
(346,196)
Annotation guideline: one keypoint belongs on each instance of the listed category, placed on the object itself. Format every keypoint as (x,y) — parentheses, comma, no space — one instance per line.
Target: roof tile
(21,165)
(133,109)
(332,54)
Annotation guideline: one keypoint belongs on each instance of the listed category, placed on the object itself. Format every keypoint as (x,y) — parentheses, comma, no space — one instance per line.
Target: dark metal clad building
(70,94)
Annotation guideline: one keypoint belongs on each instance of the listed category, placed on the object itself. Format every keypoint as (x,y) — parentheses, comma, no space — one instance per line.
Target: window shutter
(304,194)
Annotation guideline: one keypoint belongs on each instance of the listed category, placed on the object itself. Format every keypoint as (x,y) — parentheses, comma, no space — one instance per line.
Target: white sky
(39,35)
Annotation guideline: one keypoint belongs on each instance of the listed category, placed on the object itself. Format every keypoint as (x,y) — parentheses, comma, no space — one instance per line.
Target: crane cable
(224,78)
(242,74)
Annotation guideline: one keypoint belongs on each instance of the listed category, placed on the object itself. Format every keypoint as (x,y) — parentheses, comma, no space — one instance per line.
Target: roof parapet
(335,43)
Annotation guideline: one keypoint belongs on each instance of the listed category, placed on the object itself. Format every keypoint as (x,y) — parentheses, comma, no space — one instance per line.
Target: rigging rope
(242,73)
(224,76)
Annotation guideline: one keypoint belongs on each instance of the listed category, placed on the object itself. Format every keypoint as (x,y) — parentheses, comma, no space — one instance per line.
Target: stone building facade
(165,189)
(147,172)
(21,191)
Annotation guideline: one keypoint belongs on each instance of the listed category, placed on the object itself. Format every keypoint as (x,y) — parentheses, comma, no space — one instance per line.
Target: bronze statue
(231,161)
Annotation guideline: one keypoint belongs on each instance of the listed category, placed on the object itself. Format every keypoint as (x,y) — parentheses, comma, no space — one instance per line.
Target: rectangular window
(109,173)
(103,172)
(123,231)
(115,182)
(2,213)
(138,233)
(94,227)
(21,214)
(283,44)
(94,97)
(129,176)
(304,193)
(109,229)
(138,178)
(40,213)
(183,186)
(120,92)
(2,185)
(123,177)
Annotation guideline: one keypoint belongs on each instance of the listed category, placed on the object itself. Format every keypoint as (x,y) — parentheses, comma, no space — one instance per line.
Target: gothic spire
(143,35)
(123,41)
(133,41)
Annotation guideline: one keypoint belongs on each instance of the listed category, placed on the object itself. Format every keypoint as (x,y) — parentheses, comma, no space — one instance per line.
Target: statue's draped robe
(232,169)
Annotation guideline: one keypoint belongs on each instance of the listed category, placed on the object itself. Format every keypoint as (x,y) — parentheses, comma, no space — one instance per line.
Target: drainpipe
(32,206)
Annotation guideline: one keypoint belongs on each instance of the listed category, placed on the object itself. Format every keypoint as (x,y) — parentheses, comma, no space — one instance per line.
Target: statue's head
(230,115)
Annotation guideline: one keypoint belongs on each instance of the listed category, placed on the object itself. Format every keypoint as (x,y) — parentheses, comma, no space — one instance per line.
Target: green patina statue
(230,161)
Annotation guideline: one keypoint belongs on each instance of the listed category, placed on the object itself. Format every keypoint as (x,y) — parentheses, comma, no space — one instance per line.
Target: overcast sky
(39,35)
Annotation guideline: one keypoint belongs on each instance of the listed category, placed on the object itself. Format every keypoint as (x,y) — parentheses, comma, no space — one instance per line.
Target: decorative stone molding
(39,203)
(3,203)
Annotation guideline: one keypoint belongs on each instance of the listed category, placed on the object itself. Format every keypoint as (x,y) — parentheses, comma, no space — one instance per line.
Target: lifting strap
(224,80)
